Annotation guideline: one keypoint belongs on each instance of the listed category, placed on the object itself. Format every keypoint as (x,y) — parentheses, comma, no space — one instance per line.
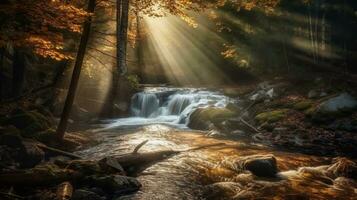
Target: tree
(76,73)
(36,28)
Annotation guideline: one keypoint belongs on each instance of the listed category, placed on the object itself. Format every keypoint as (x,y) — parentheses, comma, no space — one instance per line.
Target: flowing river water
(160,115)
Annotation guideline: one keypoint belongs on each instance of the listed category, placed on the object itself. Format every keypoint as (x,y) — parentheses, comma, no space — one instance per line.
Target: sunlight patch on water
(208,173)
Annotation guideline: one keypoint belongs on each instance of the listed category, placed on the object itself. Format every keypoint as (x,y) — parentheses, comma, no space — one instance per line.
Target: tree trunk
(18,72)
(138,48)
(123,37)
(76,74)
(1,73)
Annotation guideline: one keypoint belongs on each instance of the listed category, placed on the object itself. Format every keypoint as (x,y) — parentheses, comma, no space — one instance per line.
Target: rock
(342,183)
(342,167)
(110,164)
(202,118)
(303,105)
(222,189)
(32,155)
(46,136)
(270,93)
(258,96)
(333,108)
(312,94)
(28,122)
(114,183)
(87,167)
(11,140)
(345,125)
(342,102)
(264,85)
(82,194)
(272,116)
(259,165)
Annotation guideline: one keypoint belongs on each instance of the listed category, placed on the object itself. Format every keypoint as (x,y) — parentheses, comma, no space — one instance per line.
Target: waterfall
(178,103)
(172,106)
(144,104)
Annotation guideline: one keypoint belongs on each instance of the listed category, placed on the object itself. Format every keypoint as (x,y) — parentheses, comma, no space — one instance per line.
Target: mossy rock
(47,136)
(28,122)
(233,107)
(319,116)
(203,117)
(232,92)
(272,116)
(303,105)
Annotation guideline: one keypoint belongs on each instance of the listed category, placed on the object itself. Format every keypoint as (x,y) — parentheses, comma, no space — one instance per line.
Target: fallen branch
(249,125)
(58,151)
(205,146)
(139,146)
(10,195)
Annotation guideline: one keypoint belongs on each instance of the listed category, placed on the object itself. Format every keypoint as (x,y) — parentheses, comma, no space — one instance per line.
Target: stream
(160,115)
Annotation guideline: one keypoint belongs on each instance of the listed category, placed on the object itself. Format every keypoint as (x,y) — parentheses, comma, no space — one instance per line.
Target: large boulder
(24,153)
(342,102)
(204,118)
(333,108)
(28,122)
(259,165)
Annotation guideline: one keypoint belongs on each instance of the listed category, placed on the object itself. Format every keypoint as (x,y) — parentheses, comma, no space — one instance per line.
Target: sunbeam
(185,53)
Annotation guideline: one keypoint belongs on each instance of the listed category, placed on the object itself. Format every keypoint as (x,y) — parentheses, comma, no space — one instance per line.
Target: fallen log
(38,176)
(58,151)
(11,195)
(135,162)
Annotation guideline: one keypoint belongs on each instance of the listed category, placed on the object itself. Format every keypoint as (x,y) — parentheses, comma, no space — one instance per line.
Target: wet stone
(259,165)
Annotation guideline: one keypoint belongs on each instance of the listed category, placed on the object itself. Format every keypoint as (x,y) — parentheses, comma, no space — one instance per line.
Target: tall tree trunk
(1,72)
(139,48)
(76,74)
(108,107)
(123,35)
(118,33)
(18,72)
(311,33)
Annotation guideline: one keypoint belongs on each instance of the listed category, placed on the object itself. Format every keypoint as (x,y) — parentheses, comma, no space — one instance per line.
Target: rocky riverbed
(267,141)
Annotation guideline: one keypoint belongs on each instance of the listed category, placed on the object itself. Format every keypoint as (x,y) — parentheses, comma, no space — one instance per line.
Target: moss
(233,107)
(201,118)
(47,136)
(303,105)
(272,116)
(28,122)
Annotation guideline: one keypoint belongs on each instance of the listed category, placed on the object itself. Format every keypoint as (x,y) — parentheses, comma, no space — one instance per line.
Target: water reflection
(205,173)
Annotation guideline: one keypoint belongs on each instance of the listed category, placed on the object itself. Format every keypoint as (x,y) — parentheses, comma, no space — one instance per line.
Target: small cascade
(178,103)
(144,104)
(172,106)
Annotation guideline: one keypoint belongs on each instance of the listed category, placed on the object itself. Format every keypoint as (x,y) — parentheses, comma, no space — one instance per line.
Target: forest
(178,99)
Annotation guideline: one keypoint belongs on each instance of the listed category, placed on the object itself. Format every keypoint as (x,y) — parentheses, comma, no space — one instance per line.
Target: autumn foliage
(40,25)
